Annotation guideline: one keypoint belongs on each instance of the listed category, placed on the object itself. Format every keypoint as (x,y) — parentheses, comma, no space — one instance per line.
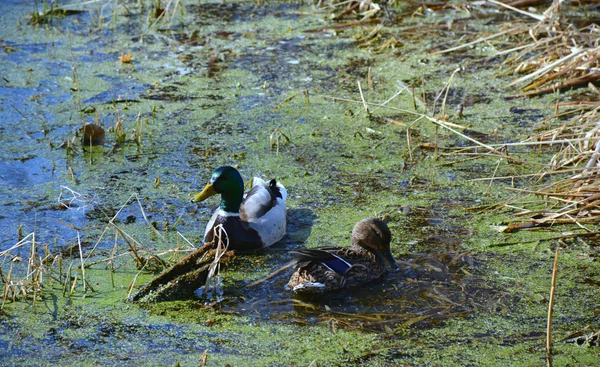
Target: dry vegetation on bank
(547,48)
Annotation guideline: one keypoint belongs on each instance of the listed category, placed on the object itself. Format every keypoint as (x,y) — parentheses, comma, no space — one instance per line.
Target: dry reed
(28,269)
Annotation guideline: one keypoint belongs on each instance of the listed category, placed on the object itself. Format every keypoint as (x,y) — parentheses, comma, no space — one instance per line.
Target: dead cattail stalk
(493,175)
(362,97)
(274,139)
(550,309)
(204,358)
(67,279)
(82,264)
(222,241)
(305,91)
(7,285)
(25,278)
(479,40)
(402,89)
(446,89)
(534,16)
(132,284)
(73,285)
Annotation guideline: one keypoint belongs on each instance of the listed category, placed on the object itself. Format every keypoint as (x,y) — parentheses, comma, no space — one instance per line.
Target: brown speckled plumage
(369,258)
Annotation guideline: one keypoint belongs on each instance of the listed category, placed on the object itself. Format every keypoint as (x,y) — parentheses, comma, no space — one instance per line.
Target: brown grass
(552,54)
(29,269)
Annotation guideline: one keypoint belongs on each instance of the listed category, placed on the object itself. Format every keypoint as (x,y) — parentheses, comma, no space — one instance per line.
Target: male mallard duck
(252,220)
(333,268)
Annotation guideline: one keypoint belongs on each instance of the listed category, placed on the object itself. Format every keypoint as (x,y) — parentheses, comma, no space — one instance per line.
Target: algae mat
(183,87)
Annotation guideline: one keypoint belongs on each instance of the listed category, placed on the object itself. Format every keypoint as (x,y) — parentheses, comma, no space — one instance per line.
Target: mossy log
(182,279)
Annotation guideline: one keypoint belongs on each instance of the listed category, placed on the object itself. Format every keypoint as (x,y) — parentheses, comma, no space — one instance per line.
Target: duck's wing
(327,256)
(258,200)
(319,270)
(264,210)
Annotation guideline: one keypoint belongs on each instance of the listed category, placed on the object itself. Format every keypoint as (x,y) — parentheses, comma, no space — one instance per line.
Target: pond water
(211,83)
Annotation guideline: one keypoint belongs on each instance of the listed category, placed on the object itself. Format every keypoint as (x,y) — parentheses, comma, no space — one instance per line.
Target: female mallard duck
(251,220)
(333,268)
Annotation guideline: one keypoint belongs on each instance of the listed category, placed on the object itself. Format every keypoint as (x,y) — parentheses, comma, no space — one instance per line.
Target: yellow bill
(206,193)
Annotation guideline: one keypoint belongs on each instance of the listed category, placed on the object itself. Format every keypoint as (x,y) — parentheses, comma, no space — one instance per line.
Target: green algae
(340,166)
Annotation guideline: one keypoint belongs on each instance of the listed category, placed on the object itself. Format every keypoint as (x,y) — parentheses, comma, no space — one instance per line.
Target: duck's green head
(228,182)
(374,235)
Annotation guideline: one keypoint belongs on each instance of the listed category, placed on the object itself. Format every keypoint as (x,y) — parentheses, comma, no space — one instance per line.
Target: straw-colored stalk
(550,310)
(222,241)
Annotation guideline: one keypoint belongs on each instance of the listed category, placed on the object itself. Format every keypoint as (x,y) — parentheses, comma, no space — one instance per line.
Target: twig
(550,309)
(281,269)
(362,97)
(288,99)
(222,240)
(24,241)
(19,112)
(482,39)
(493,175)
(575,82)
(186,240)
(67,6)
(123,233)
(541,142)
(404,87)
(534,16)
(551,66)
(146,218)
(570,235)
(593,159)
(132,284)
(163,14)
(82,263)
(444,124)
(540,192)
(127,237)
(446,89)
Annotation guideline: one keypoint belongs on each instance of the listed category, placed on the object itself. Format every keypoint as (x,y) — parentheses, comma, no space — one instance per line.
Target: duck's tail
(278,189)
